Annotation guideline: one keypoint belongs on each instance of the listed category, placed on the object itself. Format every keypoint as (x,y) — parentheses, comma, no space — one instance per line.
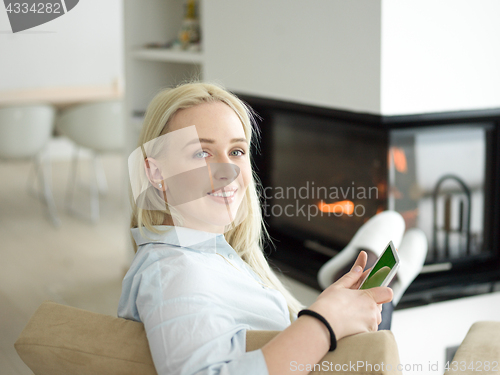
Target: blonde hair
(247,238)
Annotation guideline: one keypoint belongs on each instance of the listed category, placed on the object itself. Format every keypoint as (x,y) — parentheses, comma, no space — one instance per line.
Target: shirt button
(230,256)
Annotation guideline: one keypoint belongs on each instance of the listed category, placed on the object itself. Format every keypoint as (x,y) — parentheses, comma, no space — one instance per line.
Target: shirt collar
(180,236)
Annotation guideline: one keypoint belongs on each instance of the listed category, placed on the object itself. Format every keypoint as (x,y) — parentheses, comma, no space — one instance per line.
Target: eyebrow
(207,140)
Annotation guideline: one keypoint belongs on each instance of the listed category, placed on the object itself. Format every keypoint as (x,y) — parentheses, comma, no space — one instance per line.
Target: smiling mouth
(224,192)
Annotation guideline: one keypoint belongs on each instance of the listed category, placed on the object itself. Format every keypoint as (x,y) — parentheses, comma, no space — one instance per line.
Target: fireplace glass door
(438,182)
(328,177)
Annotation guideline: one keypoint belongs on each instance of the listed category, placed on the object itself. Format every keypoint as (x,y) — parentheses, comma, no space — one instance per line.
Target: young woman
(199,279)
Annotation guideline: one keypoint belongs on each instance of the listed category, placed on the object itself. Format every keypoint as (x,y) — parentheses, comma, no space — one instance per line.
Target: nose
(224,172)
(219,157)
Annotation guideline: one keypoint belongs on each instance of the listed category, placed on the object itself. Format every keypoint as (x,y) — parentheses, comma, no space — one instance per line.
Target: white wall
(378,56)
(322,52)
(82,47)
(388,57)
(439,56)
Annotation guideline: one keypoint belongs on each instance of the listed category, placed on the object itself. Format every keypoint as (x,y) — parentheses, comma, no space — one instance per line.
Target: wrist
(326,324)
(316,330)
(325,310)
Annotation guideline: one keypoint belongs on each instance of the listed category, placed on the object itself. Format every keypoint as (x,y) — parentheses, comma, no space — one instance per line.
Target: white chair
(99,127)
(24,133)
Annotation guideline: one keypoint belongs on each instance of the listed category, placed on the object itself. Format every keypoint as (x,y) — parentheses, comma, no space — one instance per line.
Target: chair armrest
(481,345)
(365,353)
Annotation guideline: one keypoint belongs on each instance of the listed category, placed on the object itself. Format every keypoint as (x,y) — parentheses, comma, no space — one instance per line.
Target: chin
(213,214)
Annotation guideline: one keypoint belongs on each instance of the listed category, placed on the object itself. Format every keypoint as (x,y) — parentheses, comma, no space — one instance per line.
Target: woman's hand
(349,310)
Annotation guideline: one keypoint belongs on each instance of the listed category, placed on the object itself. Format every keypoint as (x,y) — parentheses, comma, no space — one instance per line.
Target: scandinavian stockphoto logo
(25,14)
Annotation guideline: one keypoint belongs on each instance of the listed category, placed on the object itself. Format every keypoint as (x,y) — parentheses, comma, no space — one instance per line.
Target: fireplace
(325,172)
(316,183)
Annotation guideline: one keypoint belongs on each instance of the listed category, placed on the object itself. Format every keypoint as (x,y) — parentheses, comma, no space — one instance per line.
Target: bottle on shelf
(189,34)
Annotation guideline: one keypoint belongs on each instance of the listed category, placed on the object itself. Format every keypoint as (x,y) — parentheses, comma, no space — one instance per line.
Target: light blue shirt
(197,302)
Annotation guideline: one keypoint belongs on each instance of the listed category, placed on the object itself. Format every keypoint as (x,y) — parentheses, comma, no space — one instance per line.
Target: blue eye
(201,155)
(237,153)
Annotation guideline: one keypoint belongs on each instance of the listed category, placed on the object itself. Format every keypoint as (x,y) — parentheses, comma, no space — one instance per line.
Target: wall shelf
(168,55)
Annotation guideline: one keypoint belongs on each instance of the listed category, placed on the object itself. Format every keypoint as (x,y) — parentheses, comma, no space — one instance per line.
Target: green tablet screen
(380,271)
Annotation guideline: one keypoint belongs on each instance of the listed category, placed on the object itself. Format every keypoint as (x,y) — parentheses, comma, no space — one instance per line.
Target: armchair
(63,340)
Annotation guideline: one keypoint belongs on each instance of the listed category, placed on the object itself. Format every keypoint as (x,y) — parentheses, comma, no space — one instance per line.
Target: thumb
(351,277)
(381,294)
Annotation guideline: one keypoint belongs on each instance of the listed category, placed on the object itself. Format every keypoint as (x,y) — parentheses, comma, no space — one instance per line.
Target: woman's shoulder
(160,271)
(176,274)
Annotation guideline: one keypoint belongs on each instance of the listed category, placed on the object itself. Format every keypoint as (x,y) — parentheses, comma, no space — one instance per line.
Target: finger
(381,294)
(374,325)
(363,276)
(350,278)
(353,277)
(361,260)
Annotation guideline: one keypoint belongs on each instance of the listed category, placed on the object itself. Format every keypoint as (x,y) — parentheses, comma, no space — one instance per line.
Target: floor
(424,333)
(78,264)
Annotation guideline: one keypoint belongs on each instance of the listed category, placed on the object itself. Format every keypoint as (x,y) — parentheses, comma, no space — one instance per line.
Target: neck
(168,220)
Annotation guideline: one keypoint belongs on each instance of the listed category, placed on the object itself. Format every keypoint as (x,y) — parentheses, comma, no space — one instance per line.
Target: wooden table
(60,97)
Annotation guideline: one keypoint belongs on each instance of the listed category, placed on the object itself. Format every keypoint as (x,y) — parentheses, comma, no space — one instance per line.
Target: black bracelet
(333,340)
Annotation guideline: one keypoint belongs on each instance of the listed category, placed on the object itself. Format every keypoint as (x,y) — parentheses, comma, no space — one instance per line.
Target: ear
(153,172)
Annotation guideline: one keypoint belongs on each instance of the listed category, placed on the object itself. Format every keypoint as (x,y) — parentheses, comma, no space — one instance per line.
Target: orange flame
(344,207)
(399,157)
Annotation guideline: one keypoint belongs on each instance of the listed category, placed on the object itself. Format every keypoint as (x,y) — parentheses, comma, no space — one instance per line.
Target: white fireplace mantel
(385,57)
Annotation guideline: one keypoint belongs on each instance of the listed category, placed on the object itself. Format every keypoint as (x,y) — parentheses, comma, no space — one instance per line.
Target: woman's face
(207,167)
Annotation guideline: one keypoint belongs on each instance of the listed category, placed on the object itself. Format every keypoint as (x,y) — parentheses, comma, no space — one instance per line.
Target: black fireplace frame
(300,255)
